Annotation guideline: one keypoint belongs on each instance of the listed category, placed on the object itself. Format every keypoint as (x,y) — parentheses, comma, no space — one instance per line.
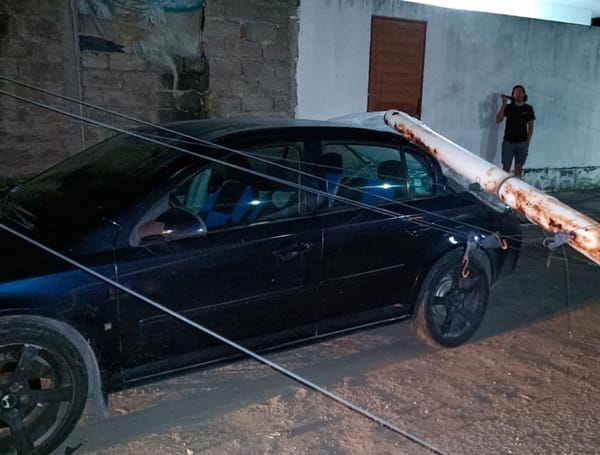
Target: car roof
(214,129)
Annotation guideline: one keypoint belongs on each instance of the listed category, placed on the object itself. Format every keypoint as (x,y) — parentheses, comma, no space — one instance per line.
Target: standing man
(518,131)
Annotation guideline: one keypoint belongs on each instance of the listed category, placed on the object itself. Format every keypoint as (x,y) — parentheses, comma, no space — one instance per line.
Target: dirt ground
(528,383)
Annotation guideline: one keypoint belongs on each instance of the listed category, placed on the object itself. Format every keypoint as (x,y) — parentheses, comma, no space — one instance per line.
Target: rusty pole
(539,208)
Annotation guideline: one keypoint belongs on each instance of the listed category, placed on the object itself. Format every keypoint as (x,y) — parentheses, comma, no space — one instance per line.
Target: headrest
(276,170)
(332,162)
(237,174)
(390,169)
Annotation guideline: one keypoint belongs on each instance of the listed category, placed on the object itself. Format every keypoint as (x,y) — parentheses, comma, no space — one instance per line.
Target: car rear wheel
(450,307)
(43,387)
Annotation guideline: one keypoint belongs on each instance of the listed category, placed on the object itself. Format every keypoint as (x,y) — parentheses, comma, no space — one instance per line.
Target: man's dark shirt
(516,122)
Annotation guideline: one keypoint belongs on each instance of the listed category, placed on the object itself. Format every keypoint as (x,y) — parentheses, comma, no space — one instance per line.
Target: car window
(101,181)
(227,197)
(419,177)
(372,173)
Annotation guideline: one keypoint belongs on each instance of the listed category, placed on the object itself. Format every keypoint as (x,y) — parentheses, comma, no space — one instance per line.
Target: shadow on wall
(487,122)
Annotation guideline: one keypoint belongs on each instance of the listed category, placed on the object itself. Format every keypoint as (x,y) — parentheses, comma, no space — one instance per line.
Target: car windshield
(97,182)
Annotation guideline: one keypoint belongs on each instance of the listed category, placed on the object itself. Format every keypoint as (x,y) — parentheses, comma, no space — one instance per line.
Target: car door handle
(418,231)
(419,227)
(287,254)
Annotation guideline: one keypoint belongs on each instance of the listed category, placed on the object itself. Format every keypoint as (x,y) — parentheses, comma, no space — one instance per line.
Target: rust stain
(408,134)
(584,246)
(543,210)
(555,225)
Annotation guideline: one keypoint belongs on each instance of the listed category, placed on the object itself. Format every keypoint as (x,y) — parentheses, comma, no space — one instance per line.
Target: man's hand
(500,114)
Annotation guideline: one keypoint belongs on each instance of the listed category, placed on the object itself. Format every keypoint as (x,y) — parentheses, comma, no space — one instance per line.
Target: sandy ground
(528,383)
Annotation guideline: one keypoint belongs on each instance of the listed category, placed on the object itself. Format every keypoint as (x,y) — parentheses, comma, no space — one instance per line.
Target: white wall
(469,59)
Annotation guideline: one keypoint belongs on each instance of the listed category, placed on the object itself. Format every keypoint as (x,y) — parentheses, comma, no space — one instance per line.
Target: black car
(314,229)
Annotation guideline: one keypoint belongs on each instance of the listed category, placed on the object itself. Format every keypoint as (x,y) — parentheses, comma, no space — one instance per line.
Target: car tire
(43,386)
(450,308)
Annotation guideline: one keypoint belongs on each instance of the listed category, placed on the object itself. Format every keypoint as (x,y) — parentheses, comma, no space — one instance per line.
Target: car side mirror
(174,224)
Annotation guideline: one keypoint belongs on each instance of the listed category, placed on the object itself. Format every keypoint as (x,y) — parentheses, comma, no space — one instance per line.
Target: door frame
(375,18)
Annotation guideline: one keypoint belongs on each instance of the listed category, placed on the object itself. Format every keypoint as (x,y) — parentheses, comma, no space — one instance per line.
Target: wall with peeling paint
(469,59)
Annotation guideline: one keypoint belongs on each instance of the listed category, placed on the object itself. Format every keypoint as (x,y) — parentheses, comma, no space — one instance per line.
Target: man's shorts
(518,150)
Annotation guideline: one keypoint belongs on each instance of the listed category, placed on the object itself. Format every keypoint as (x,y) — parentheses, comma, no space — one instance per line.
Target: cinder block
(127,62)
(248,49)
(224,106)
(167,98)
(276,51)
(214,8)
(125,100)
(255,69)
(39,26)
(141,81)
(97,60)
(191,101)
(167,115)
(50,75)
(221,28)
(244,85)
(262,32)
(88,26)
(282,104)
(17,49)
(101,78)
(9,67)
(94,95)
(258,10)
(257,103)
(193,75)
(229,68)
(221,47)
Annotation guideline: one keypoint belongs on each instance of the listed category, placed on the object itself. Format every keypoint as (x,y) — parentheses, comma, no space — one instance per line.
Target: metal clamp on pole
(556,240)
(553,242)
(538,207)
(471,243)
(493,241)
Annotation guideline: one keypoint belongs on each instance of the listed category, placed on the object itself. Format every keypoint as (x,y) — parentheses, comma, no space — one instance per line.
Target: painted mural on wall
(106,9)
(167,32)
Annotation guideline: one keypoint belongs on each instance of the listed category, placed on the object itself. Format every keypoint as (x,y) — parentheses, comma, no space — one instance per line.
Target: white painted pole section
(541,209)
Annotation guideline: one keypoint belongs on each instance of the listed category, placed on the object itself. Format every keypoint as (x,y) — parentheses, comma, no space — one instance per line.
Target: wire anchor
(464,263)
(493,241)
(553,242)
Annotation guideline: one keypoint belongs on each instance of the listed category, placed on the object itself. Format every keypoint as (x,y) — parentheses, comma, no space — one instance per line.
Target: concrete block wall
(36,45)
(230,58)
(256,44)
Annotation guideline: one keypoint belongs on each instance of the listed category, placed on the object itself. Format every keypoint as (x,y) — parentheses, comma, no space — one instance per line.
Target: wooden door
(396,66)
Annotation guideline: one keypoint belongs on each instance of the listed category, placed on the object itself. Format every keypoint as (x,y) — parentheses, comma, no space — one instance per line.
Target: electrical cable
(283,181)
(246,154)
(383,211)
(231,150)
(323,193)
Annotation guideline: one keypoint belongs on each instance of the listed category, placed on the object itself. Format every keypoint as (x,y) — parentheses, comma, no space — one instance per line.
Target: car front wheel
(43,386)
(450,306)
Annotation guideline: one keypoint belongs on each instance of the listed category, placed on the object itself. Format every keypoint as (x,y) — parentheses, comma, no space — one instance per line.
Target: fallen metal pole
(539,208)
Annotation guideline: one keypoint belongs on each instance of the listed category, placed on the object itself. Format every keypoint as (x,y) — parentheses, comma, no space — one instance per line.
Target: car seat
(389,184)
(332,164)
(232,201)
(280,199)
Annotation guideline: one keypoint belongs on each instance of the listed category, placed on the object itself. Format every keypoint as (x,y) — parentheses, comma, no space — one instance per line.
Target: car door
(251,278)
(368,257)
